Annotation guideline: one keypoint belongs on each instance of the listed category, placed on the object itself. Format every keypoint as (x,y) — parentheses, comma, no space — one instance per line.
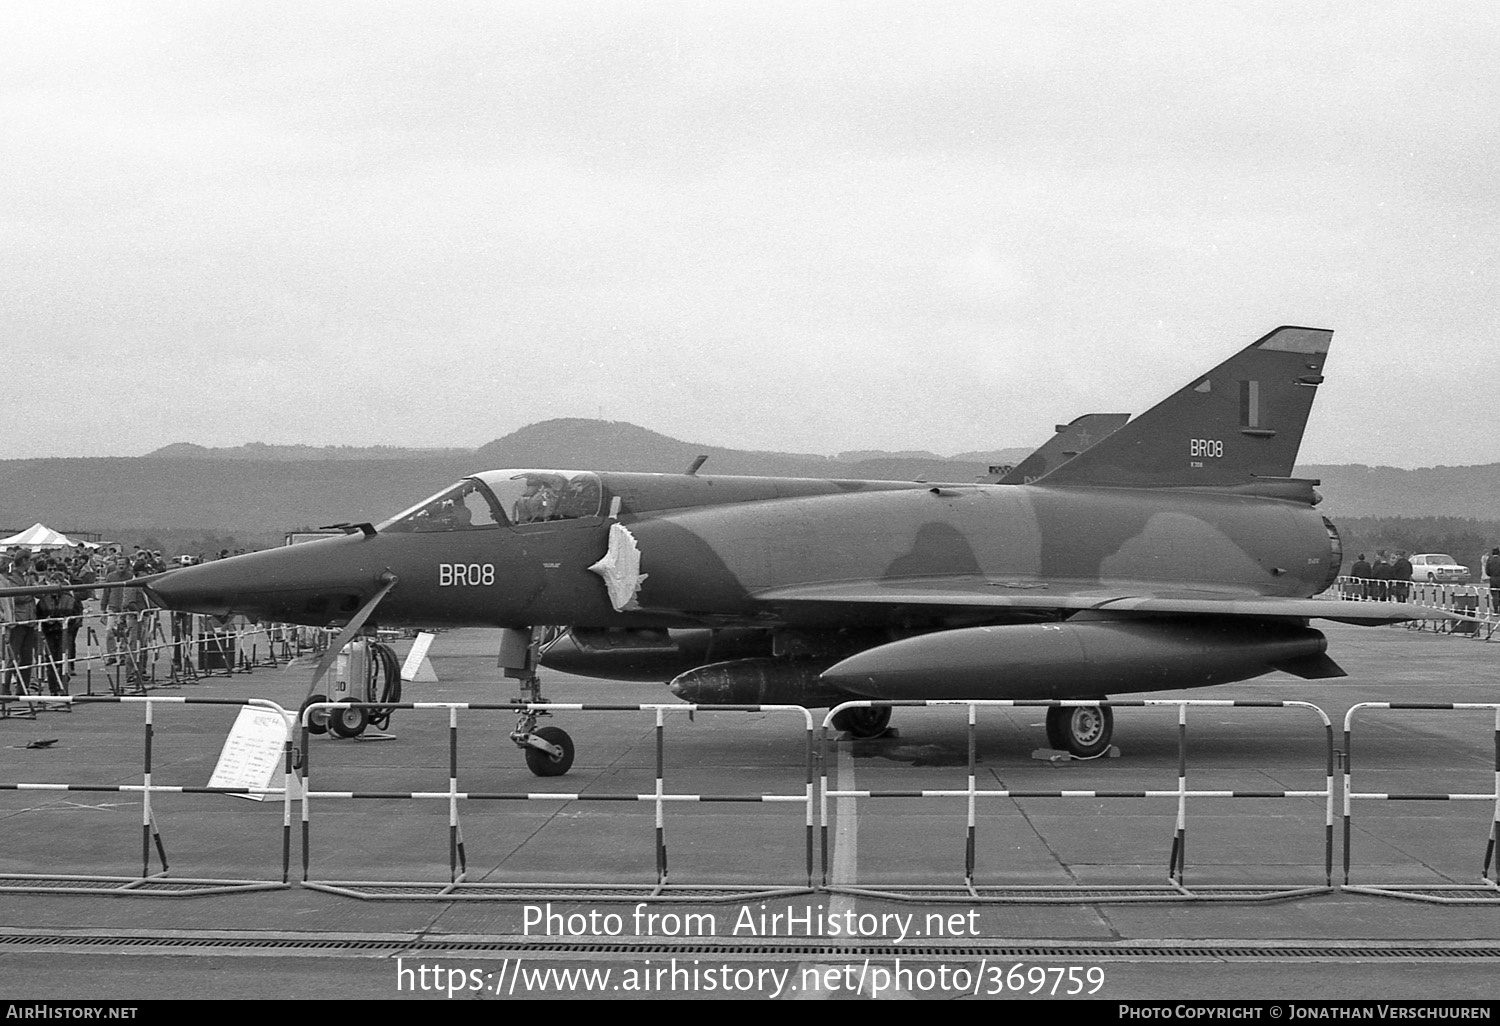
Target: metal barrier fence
(147,882)
(137,652)
(459,886)
(1478,617)
(1487,890)
(1176,888)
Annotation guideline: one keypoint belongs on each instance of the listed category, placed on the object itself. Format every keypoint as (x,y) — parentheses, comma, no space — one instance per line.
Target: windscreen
(465,506)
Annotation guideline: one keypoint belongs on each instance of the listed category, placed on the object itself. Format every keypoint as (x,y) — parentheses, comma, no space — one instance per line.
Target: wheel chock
(1055,756)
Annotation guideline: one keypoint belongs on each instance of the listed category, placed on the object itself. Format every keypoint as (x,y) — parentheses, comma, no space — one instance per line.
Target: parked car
(1438,567)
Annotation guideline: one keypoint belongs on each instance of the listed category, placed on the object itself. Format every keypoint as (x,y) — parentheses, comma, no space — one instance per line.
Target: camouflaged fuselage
(715,564)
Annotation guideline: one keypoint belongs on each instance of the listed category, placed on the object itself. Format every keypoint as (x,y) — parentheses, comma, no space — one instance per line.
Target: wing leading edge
(980,593)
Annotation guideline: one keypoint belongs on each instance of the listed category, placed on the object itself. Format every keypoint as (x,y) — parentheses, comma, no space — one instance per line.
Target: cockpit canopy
(504,498)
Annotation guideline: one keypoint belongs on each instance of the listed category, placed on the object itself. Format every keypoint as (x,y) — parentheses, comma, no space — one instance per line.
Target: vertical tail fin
(1241,421)
(1071,439)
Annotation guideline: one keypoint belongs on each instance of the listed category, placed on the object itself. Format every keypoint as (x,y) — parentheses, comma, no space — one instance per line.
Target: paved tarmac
(1082,851)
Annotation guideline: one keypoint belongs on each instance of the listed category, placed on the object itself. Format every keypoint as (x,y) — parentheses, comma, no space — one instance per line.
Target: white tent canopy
(40,536)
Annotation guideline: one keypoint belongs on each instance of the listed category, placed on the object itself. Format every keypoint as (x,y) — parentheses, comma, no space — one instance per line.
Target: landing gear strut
(548,750)
(1081,730)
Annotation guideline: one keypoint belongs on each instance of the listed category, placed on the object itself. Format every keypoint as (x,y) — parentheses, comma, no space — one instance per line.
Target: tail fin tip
(1290,338)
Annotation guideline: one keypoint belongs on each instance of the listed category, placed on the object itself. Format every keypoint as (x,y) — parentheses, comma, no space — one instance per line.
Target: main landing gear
(1083,731)
(548,750)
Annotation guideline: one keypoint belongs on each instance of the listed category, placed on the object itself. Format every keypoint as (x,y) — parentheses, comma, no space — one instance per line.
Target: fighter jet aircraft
(1177,552)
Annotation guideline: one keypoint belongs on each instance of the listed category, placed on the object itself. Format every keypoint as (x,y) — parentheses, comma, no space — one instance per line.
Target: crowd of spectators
(39,633)
(1389,578)
(1386,579)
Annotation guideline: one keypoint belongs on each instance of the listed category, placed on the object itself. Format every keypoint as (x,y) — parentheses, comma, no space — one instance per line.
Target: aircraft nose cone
(205,588)
(314,583)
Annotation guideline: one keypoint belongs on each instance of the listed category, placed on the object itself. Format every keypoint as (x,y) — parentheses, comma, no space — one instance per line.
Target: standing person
(1380,576)
(22,631)
(56,611)
(81,574)
(7,617)
(113,603)
(1492,567)
(1401,576)
(1360,571)
(132,627)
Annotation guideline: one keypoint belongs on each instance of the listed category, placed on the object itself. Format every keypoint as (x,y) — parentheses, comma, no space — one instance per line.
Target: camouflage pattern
(1182,533)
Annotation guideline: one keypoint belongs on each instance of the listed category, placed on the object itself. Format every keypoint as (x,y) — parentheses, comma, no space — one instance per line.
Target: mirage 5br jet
(1177,552)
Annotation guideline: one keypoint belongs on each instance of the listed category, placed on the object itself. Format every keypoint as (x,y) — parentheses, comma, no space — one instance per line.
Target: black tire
(864,722)
(1081,730)
(318,724)
(348,722)
(543,765)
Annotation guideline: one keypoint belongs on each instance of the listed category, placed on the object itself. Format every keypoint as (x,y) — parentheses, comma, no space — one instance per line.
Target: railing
(1472,604)
(1176,888)
(817,800)
(459,886)
(137,652)
(1487,888)
(147,882)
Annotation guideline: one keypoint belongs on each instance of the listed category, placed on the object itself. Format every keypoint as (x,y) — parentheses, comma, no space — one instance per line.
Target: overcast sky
(808,227)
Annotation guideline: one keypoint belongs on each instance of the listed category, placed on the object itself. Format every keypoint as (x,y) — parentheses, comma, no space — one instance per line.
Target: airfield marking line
(67,806)
(843,871)
(1098,910)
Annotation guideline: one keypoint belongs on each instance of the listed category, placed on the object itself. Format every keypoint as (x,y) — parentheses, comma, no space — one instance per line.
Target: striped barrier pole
(1177,865)
(455,845)
(1489,848)
(147,823)
(970,842)
(808,790)
(1348,790)
(306,795)
(289,768)
(661,824)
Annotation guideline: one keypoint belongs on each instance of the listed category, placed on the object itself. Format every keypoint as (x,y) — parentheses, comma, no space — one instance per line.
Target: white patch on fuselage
(621,569)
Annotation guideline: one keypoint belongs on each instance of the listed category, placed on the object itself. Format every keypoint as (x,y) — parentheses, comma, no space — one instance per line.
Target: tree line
(1463,538)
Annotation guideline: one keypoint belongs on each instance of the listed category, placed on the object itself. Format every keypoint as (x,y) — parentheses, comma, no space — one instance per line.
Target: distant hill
(262,451)
(270,489)
(1360,491)
(617,445)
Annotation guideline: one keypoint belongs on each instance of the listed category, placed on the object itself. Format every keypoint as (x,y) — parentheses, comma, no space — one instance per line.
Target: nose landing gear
(548,750)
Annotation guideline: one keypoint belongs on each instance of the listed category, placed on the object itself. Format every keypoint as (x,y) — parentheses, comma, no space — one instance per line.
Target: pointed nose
(315,583)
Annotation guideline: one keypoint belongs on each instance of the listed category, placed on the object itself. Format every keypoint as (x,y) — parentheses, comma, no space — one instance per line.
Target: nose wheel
(1083,731)
(549,751)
